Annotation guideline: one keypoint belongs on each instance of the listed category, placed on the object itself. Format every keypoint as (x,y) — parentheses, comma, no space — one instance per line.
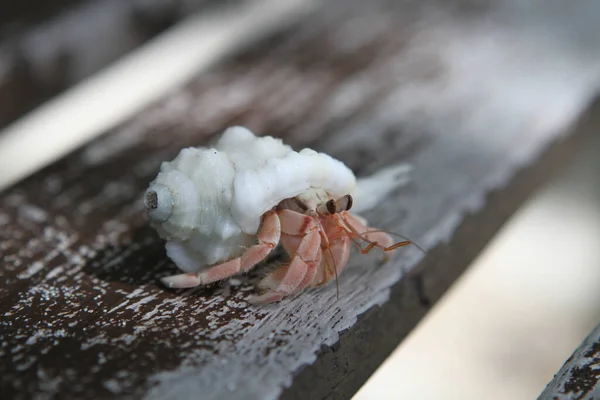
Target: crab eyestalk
(158,201)
(330,207)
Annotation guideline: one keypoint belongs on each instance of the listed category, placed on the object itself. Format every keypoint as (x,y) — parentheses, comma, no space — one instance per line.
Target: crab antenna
(355,242)
(337,284)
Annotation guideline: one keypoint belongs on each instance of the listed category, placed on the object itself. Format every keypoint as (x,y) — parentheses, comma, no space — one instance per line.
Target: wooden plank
(46,47)
(18,14)
(579,377)
(343,368)
(81,114)
(79,281)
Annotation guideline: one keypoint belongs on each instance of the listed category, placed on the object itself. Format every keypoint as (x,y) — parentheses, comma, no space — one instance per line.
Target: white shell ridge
(208,202)
(258,190)
(199,181)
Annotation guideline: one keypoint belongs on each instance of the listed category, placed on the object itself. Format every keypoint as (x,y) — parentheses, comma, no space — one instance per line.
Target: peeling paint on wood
(579,378)
(83,313)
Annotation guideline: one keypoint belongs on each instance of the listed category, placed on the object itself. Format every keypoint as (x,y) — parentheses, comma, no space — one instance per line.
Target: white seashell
(208,202)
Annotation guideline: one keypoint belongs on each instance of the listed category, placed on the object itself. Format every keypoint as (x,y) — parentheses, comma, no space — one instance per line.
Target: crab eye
(331,208)
(349,202)
(158,202)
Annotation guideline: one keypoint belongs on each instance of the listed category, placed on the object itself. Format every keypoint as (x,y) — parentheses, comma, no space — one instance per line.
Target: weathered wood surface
(579,378)
(371,84)
(48,46)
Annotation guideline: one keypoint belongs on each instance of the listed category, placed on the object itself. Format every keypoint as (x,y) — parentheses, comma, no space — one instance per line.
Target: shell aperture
(158,201)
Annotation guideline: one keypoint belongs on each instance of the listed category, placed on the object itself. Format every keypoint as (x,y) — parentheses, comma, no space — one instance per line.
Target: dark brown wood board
(371,83)
(48,46)
(22,13)
(579,377)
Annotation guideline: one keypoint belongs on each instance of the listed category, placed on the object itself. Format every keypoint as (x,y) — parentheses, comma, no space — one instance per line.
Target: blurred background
(511,321)
(521,309)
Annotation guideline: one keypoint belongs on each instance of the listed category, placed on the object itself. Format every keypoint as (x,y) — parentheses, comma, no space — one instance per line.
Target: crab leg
(290,244)
(300,272)
(377,238)
(282,282)
(268,237)
(311,272)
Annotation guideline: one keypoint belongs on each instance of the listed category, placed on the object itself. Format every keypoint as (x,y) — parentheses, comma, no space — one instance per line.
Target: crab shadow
(143,261)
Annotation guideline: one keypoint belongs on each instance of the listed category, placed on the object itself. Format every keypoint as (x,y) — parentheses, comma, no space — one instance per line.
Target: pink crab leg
(311,273)
(296,224)
(290,244)
(292,278)
(281,282)
(268,237)
(293,226)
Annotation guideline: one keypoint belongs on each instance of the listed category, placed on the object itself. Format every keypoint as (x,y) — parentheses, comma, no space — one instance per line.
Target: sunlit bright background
(525,304)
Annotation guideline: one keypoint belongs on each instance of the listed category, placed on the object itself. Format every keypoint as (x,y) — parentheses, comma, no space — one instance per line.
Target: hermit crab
(222,210)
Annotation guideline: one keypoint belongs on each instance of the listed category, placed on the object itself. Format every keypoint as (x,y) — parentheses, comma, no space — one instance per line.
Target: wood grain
(371,84)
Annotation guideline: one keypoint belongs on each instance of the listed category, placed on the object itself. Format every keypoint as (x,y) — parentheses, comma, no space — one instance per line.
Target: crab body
(223,209)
